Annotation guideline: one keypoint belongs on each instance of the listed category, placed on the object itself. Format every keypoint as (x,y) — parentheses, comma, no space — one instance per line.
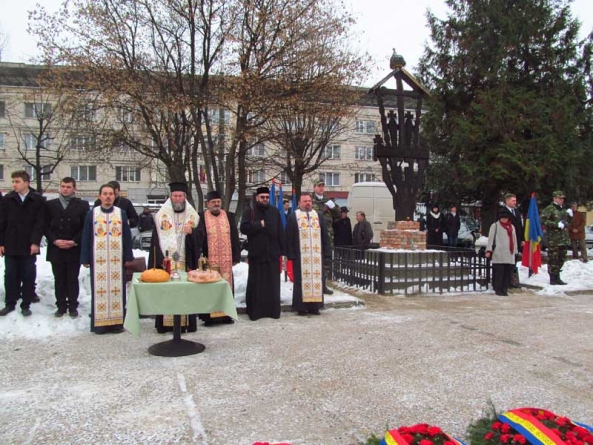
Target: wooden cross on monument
(400,149)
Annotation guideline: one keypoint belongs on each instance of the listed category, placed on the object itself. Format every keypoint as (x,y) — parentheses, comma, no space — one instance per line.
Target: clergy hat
(179,187)
(213,195)
(344,209)
(261,190)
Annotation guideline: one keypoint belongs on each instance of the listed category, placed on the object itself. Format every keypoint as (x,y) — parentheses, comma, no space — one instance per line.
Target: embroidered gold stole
(220,252)
(311,261)
(108,301)
(169,226)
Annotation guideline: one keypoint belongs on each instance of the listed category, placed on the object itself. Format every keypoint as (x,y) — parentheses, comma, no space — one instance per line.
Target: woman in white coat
(502,248)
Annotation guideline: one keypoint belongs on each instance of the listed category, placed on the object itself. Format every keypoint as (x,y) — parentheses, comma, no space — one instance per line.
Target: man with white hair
(176,235)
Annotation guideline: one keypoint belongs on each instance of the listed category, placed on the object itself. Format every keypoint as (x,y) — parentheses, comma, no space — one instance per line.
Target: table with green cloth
(176,298)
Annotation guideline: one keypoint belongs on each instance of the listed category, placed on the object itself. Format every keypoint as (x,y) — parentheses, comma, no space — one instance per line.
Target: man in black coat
(64,221)
(122,203)
(21,229)
(265,235)
(510,202)
(452,226)
(343,229)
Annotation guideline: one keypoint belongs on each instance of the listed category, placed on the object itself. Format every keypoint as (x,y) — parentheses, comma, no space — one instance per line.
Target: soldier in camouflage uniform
(330,212)
(556,219)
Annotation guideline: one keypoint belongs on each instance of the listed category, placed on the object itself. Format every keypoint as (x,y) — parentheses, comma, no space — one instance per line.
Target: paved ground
(325,380)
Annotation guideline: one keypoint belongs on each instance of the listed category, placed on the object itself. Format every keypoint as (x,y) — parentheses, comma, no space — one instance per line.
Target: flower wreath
(420,434)
(538,427)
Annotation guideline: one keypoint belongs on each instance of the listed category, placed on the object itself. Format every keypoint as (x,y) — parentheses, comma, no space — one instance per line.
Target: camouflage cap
(558,194)
(318,182)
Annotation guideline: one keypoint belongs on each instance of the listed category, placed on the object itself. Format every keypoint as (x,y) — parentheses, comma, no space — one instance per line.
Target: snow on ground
(42,324)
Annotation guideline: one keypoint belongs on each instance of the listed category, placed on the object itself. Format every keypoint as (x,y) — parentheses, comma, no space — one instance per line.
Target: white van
(375,200)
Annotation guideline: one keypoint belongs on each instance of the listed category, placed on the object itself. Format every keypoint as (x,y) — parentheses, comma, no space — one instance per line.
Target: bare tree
(4,41)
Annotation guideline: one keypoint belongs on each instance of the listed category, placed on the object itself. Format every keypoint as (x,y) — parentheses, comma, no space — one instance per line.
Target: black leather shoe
(35,298)
(26,312)
(7,310)
(59,313)
(229,321)
(315,312)
(302,313)
(327,291)
(73,313)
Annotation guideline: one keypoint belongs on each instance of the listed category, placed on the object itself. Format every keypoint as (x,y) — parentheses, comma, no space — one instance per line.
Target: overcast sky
(382,25)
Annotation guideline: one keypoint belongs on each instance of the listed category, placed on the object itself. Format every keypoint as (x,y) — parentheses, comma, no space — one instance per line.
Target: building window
(125,115)
(2,108)
(1,141)
(36,110)
(257,150)
(330,179)
(84,172)
(85,113)
(364,177)
(333,152)
(45,172)
(30,141)
(82,142)
(363,153)
(284,178)
(255,177)
(215,114)
(127,174)
(1,172)
(366,127)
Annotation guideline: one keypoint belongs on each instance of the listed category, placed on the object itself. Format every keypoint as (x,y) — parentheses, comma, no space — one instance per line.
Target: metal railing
(412,272)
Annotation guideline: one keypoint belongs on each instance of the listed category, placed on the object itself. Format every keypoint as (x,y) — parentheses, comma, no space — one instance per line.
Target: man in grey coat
(363,232)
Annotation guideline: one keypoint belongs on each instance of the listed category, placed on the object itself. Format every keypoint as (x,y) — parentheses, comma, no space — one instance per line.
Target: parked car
(469,232)
(142,241)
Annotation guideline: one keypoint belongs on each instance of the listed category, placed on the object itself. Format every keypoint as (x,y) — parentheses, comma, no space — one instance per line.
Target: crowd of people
(100,239)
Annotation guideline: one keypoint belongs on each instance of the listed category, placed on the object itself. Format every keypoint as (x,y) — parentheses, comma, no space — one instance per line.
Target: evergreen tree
(509,107)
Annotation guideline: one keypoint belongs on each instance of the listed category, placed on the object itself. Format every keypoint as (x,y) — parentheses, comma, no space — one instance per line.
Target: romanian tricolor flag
(393,437)
(532,252)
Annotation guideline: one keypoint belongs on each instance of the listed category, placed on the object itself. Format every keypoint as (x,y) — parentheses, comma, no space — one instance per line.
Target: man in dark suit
(64,221)
(510,202)
(21,229)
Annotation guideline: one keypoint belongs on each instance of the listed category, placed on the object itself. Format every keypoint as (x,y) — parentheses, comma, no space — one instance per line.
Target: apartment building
(143,180)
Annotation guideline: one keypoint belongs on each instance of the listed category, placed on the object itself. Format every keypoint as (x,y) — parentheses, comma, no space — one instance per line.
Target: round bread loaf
(155,276)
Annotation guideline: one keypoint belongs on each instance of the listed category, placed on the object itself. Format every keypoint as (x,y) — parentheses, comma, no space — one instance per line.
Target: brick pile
(403,235)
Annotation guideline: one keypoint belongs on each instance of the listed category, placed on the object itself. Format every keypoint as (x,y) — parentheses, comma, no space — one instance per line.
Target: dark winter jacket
(343,232)
(21,222)
(64,224)
(452,225)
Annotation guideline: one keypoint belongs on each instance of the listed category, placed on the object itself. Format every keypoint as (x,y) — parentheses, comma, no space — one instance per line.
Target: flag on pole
(294,202)
(532,252)
(273,194)
(281,205)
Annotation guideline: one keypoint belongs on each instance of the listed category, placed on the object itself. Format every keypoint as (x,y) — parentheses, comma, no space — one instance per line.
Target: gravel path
(328,380)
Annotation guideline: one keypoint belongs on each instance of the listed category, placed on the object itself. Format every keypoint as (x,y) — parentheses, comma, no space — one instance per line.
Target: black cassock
(266,246)
(293,252)
(193,247)
(434,229)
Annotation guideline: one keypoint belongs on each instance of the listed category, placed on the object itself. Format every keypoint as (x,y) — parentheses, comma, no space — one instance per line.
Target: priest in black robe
(176,232)
(265,236)
(220,245)
(308,244)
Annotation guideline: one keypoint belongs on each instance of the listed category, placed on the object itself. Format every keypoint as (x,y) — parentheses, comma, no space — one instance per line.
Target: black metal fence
(412,272)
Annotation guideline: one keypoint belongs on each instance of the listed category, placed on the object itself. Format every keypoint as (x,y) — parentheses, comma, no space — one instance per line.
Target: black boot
(553,279)
(559,281)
